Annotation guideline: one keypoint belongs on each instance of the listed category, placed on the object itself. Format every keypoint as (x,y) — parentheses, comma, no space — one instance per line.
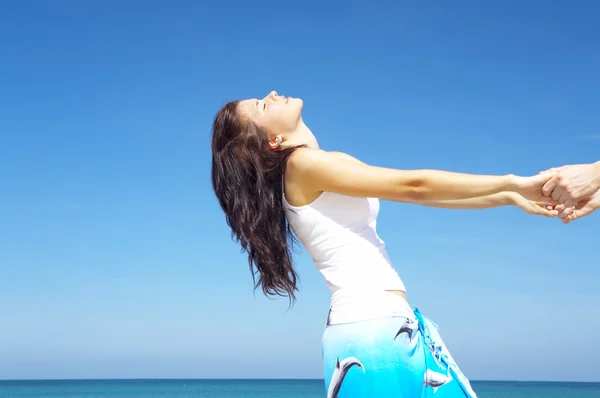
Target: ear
(275,142)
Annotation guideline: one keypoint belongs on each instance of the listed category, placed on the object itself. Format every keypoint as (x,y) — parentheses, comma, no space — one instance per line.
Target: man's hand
(574,183)
(584,208)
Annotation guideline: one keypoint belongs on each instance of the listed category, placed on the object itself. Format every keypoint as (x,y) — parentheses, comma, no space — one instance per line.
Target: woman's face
(278,114)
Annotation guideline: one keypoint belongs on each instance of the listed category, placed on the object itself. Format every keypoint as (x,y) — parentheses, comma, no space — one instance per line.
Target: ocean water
(256,389)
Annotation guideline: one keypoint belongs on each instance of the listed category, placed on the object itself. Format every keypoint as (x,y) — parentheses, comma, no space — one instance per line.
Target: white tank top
(339,232)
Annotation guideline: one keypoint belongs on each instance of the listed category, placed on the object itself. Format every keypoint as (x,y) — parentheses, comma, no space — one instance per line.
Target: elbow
(417,190)
(418,194)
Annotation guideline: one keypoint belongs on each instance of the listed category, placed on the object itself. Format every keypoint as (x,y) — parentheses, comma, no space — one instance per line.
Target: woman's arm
(496,200)
(483,202)
(322,171)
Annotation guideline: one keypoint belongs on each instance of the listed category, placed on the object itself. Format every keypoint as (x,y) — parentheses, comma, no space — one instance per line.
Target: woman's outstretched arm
(319,171)
(496,200)
(482,202)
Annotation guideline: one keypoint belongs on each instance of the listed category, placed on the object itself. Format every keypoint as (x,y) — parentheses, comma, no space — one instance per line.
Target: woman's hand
(531,187)
(535,208)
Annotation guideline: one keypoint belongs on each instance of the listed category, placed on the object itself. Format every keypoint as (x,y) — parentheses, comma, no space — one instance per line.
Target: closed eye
(264,106)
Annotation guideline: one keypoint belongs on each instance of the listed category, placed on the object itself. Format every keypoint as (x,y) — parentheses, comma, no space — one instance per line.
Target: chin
(297,102)
(299,109)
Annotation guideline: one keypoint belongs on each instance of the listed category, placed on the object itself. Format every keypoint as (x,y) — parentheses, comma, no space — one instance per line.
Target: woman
(273,182)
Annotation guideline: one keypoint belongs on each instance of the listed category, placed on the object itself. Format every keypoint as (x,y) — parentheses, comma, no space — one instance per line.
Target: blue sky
(115,260)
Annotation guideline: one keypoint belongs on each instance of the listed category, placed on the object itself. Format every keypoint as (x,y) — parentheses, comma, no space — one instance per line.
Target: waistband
(354,305)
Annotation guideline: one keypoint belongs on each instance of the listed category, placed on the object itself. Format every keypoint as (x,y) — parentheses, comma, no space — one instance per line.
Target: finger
(550,213)
(565,198)
(549,186)
(556,206)
(544,210)
(545,207)
(566,212)
(539,197)
(579,213)
(556,195)
(560,207)
(552,170)
(549,201)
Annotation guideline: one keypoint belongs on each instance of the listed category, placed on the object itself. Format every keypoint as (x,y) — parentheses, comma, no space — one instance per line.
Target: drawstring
(441,358)
(435,349)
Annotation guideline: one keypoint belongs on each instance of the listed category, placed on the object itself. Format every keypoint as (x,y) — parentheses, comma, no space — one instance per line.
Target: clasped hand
(568,192)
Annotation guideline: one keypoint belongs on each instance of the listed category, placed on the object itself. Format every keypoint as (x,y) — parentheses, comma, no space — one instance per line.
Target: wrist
(510,183)
(511,198)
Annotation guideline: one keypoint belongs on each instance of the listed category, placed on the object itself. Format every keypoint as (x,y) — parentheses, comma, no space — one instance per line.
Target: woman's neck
(301,136)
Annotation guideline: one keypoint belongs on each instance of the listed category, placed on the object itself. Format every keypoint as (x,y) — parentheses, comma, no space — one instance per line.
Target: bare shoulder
(345,156)
(316,170)
(301,166)
(304,159)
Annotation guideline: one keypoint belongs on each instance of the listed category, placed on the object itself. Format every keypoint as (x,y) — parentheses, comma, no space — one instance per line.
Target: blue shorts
(399,357)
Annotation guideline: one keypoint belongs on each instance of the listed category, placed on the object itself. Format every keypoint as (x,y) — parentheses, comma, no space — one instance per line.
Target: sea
(172,388)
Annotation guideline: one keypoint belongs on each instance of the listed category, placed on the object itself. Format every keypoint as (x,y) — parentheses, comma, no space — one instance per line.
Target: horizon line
(272,379)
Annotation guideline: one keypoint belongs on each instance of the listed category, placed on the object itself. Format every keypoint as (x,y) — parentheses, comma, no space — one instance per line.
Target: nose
(272,95)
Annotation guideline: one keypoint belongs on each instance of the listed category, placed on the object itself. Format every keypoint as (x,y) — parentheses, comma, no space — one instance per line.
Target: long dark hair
(247,178)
